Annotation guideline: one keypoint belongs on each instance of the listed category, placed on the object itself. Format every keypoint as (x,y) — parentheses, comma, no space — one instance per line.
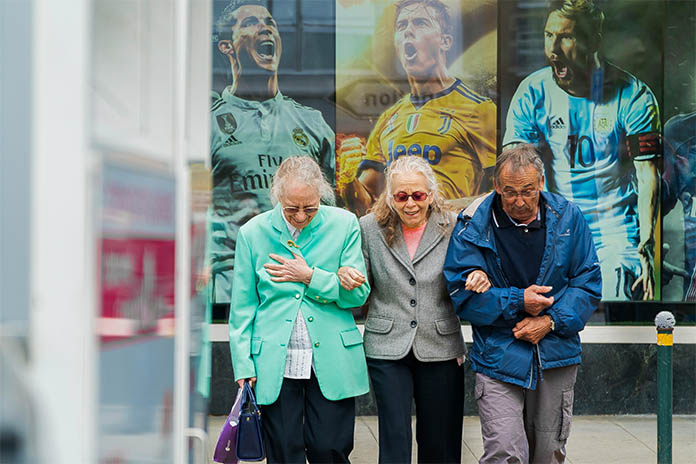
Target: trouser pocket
(478,391)
(566,415)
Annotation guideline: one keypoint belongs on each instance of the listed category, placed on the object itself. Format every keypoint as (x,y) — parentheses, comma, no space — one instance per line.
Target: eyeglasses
(292,210)
(402,197)
(510,194)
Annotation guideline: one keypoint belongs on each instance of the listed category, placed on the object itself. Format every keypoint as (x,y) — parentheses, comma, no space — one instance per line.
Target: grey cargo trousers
(526,426)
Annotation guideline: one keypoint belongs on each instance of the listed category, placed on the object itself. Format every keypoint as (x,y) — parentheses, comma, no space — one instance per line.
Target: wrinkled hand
(350,278)
(349,153)
(289,270)
(477,281)
(534,300)
(532,329)
(646,280)
(251,380)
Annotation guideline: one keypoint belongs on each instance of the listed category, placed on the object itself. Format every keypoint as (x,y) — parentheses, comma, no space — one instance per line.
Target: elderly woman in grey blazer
(413,338)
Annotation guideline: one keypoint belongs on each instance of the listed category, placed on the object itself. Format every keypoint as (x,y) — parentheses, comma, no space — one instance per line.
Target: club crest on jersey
(299,137)
(412,123)
(446,123)
(602,121)
(227,123)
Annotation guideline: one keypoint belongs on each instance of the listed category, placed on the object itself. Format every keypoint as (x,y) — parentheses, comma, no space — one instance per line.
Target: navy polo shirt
(519,246)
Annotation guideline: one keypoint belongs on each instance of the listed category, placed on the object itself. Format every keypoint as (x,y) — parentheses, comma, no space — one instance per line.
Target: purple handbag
(226,448)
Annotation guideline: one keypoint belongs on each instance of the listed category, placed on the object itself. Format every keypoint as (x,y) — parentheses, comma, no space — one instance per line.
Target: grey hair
(383,209)
(520,156)
(305,170)
(412,164)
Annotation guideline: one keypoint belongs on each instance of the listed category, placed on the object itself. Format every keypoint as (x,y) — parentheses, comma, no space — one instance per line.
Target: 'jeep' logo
(430,153)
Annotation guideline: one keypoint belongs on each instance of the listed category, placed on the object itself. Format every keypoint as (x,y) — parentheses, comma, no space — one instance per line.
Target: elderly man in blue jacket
(522,268)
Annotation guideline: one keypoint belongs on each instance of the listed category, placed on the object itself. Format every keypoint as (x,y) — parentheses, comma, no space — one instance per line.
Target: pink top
(412,237)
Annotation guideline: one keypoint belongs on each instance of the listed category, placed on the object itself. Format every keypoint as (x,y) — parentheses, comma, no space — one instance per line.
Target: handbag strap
(248,396)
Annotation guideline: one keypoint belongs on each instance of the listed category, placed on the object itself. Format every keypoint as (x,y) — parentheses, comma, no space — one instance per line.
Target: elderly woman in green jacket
(291,329)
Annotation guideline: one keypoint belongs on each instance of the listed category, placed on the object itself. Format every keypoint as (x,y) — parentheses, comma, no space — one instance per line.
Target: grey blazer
(409,306)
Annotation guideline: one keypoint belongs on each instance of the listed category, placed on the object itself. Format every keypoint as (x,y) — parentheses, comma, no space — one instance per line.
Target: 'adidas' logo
(558,124)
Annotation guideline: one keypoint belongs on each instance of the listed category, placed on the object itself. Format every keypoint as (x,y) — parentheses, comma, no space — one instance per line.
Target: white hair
(412,164)
(305,170)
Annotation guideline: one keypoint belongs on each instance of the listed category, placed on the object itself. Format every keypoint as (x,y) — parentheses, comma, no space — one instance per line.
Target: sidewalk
(593,440)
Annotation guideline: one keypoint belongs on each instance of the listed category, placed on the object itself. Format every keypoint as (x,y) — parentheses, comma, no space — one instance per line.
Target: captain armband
(645,146)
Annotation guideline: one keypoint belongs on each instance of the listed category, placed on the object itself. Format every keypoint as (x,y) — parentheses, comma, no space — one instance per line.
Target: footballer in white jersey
(600,127)
(253,129)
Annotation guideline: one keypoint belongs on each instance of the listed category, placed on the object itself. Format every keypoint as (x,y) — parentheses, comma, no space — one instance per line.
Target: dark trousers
(438,391)
(303,419)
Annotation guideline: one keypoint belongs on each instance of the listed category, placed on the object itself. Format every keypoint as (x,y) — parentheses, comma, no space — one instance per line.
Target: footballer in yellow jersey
(441,119)
(453,130)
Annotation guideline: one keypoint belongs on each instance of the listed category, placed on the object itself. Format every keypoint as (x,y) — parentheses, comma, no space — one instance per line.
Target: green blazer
(263,312)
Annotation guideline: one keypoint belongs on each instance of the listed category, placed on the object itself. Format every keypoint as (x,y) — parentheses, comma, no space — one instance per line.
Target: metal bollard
(664,322)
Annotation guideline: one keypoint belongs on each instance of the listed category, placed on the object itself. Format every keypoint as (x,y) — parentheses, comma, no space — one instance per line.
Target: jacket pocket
(380,325)
(351,337)
(256,346)
(448,326)
(567,415)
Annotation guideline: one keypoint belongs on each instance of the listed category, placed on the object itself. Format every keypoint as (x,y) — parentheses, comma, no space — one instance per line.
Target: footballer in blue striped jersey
(253,128)
(600,130)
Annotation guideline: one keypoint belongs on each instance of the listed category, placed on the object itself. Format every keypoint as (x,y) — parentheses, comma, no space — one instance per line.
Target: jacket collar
(477,218)
(305,237)
(435,231)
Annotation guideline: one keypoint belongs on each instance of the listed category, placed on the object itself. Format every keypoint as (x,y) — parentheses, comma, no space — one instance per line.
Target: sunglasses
(292,210)
(402,197)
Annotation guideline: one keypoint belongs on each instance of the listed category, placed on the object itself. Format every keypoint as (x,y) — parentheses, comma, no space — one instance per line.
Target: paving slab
(593,439)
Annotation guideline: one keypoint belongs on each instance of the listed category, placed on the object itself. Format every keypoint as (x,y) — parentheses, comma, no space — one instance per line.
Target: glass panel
(253,128)
(318,12)
(200,354)
(318,51)
(679,174)
(409,83)
(348,60)
(136,322)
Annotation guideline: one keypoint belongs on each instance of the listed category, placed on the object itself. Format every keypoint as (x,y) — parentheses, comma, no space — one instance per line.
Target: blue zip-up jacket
(569,265)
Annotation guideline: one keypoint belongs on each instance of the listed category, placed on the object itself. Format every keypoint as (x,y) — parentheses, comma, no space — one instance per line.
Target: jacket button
(412,281)
(297,296)
(413,303)
(310,318)
(413,324)
(316,344)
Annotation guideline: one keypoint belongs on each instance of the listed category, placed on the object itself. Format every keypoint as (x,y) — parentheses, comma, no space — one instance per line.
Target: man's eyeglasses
(292,210)
(402,197)
(511,194)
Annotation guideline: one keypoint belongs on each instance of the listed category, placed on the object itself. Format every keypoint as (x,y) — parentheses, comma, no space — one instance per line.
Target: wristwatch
(553,324)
